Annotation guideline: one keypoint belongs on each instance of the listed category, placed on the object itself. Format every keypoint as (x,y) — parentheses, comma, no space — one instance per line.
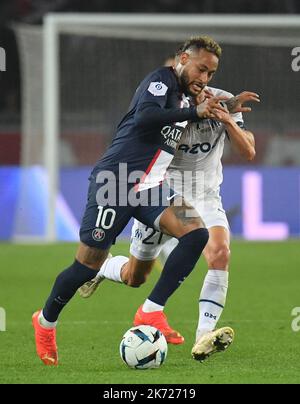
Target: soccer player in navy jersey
(129,181)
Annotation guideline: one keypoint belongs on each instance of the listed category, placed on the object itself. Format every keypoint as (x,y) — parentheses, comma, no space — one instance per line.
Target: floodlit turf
(264,288)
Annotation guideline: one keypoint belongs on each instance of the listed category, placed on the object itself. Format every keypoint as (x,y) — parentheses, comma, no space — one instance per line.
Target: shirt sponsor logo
(196,148)
(172,135)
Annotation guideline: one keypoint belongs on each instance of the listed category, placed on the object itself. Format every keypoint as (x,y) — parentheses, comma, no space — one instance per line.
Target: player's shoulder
(163,74)
(218,92)
(164,71)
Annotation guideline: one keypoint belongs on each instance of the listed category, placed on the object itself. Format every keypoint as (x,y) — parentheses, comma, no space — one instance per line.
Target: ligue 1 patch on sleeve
(157,88)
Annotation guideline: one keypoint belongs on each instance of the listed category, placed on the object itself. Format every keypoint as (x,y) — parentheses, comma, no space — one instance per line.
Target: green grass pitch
(264,289)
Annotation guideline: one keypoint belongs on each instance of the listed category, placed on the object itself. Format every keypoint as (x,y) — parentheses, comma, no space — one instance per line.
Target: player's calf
(178,266)
(90,287)
(132,272)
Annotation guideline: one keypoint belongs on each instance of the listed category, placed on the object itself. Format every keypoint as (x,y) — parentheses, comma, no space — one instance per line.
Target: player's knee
(197,223)
(136,281)
(91,257)
(219,257)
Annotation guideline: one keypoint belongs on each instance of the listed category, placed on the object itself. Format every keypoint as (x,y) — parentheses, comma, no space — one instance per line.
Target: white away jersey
(198,157)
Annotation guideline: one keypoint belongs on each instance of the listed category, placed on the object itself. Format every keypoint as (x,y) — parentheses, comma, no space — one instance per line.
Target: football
(143,347)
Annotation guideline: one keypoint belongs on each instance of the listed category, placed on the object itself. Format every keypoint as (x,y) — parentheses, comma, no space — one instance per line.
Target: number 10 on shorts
(106,218)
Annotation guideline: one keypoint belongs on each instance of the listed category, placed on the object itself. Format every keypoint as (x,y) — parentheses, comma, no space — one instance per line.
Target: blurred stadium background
(99,68)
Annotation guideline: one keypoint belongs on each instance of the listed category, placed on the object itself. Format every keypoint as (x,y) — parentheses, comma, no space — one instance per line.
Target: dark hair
(201,42)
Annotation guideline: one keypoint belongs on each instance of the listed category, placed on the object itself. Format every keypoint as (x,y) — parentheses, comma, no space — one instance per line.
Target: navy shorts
(102,223)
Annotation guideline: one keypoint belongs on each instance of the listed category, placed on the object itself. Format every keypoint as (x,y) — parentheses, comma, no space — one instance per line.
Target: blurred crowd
(32,12)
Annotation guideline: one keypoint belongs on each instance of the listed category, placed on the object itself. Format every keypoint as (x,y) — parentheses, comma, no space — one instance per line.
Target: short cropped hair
(201,42)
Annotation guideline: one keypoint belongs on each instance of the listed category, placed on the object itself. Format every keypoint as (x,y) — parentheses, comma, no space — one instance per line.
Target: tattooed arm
(242,140)
(235,104)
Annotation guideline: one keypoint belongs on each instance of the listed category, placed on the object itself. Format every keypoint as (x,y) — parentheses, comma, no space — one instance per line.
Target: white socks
(112,267)
(149,306)
(44,323)
(167,249)
(212,300)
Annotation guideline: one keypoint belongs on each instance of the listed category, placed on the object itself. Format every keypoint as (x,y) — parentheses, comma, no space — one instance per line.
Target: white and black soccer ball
(143,347)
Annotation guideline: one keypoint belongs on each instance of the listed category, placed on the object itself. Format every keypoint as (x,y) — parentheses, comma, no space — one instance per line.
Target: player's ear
(184,57)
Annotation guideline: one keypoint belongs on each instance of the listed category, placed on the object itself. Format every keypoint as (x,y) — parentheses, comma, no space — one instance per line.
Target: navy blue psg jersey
(147,136)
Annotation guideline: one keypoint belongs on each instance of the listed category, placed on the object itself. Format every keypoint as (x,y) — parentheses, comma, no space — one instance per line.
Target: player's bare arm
(243,141)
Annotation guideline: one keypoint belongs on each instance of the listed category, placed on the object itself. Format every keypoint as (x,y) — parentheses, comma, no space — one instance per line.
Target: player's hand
(207,93)
(235,104)
(210,106)
(202,96)
(221,116)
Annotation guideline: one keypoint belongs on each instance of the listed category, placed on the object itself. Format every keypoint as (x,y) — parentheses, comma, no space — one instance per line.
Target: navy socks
(65,288)
(179,265)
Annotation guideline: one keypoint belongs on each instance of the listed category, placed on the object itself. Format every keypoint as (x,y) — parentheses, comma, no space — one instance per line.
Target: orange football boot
(158,320)
(45,341)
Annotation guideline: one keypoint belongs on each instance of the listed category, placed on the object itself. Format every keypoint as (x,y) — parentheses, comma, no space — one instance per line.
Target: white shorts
(147,243)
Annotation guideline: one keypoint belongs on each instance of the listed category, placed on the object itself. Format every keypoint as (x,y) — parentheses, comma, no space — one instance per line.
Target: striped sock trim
(211,301)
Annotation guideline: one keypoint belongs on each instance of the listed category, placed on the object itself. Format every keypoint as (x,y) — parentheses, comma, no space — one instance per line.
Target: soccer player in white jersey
(196,172)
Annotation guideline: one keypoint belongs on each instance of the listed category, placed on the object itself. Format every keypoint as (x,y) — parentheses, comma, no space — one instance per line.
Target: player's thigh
(99,228)
(180,218)
(167,211)
(217,250)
